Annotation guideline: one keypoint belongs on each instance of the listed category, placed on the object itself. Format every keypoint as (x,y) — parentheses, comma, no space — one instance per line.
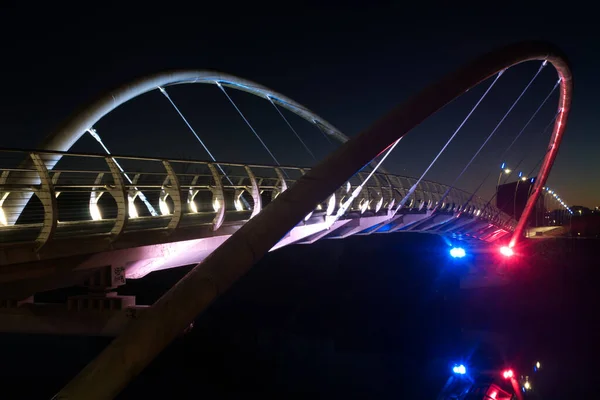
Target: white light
(238,204)
(95,212)
(507,171)
(193,207)
(458,252)
(132,210)
(163,206)
(379,204)
(330,205)
(527,385)
(3,220)
(459,369)
(216,205)
(538,365)
(506,251)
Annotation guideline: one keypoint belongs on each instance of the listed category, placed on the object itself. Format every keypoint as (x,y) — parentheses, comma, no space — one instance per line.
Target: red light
(506,251)
(507,374)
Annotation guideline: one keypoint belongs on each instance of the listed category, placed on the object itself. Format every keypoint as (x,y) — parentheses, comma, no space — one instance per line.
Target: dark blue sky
(350,66)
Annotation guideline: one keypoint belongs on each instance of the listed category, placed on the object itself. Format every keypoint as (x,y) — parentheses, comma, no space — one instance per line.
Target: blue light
(520,174)
(459,369)
(503,165)
(457,252)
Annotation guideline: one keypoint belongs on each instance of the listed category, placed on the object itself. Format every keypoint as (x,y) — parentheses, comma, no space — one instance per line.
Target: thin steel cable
(248,123)
(96,136)
(414,187)
(531,148)
(519,163)
(513,142)
(323,133)
(530,119)
(164,92)
(493,131)
(292,128)
(359,188)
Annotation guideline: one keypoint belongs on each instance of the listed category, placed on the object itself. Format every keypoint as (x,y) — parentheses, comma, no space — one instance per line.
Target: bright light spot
(95,212)
(216,205)
(163,206)
(538,365)
(457,252)
(331,205)
(379,204)
(459,369)
(506,251)
(493,394)
(507,171)
(527,385)
(132,209)
(503,165)
(523,178)
(238,204)
(193,206)
(507,374)
(3,220)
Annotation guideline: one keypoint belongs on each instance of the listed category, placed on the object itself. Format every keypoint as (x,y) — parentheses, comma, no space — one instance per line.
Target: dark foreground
(367,317)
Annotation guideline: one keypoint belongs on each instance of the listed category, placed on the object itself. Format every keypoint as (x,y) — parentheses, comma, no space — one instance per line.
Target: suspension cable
(359,188)
(513,142)
(96,136)
(492,133)
(414,187)
(164,92)
(323,133)
(248,123)
(532,117)
(519,163)
(530,148)
(291,127)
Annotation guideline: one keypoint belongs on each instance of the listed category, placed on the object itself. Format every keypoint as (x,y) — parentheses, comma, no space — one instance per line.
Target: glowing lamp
(459,369)
(457,252)
(508,373)
(506,251)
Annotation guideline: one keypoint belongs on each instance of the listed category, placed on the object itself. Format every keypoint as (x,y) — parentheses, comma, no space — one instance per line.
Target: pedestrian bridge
(84,214)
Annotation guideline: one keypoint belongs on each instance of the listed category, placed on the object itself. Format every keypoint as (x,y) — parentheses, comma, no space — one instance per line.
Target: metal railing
(96,194)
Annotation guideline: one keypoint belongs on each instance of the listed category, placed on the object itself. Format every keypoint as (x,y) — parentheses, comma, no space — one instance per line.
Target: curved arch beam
(128,354)
(76,126)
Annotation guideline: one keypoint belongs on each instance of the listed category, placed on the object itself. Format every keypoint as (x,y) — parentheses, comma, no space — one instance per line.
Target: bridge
(95,219)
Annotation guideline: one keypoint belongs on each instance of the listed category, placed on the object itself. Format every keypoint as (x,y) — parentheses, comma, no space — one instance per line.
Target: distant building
(580,210)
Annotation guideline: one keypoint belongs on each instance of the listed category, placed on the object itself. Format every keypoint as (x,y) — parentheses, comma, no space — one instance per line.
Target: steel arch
(77,125)
(128,354)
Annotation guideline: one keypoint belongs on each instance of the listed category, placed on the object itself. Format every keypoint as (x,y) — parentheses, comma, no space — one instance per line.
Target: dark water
(366,317)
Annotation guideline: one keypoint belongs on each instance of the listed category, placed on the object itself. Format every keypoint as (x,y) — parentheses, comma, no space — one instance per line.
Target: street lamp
(503,170)
(522,179)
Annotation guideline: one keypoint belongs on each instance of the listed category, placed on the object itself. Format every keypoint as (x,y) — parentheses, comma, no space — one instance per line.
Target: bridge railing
(93,194)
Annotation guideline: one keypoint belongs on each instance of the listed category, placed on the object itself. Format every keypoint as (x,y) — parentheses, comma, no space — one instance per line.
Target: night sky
(349,66)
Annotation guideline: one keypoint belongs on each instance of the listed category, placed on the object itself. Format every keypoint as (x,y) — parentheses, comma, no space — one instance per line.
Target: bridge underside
(137,253)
